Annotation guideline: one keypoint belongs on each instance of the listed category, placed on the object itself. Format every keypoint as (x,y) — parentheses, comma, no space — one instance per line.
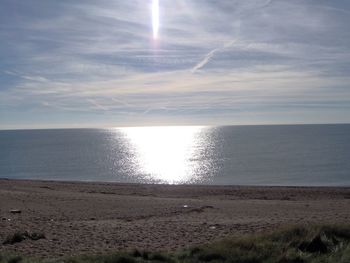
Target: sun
(155,18)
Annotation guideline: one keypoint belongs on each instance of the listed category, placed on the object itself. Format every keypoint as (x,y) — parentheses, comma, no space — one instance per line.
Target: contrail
(210,55)
(97,105)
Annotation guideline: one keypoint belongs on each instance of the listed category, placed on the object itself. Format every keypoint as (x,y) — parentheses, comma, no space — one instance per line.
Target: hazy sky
(96,63)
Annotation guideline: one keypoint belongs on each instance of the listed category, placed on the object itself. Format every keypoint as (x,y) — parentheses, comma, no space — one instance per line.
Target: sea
(288,155)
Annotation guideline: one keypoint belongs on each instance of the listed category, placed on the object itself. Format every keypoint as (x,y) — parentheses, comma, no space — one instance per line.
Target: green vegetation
(312,244)
(21,236)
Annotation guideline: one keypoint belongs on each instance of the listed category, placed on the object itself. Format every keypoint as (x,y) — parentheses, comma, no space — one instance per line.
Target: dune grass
(298,244)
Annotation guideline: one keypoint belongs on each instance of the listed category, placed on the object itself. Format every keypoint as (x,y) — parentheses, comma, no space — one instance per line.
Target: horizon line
(159,126)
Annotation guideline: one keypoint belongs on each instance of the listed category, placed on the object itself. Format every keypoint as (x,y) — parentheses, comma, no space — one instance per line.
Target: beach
(91,218)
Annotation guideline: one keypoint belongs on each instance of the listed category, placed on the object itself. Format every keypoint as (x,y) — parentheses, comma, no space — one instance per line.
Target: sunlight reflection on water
(294,155)
(165,154)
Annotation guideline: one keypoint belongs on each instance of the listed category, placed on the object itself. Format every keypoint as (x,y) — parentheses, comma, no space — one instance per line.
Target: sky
(102,63)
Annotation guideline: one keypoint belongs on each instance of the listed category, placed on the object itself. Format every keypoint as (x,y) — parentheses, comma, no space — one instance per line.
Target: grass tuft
(21,236)
(160,257)
(15,259)
(15,238)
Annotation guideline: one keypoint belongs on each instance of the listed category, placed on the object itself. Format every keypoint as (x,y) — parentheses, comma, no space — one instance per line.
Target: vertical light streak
(155,18)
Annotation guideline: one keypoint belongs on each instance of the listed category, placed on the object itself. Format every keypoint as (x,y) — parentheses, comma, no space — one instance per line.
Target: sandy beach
(89,218)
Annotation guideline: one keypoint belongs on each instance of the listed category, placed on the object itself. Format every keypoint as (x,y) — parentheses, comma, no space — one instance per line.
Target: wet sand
(89,218)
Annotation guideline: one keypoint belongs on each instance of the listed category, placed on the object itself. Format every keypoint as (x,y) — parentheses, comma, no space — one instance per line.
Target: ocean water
(309,155)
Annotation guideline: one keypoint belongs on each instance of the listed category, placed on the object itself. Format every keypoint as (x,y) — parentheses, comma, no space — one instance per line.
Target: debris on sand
(15,211)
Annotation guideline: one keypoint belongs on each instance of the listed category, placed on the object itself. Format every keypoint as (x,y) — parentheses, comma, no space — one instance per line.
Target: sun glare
(164,154)
(155,18)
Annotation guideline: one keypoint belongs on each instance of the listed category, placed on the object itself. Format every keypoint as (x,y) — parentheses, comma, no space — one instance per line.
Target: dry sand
(80,218)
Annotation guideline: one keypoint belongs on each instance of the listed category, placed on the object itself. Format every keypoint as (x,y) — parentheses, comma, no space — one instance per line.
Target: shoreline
(100,217)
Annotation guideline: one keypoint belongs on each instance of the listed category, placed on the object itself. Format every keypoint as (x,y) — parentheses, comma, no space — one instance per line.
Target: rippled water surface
(258,155)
